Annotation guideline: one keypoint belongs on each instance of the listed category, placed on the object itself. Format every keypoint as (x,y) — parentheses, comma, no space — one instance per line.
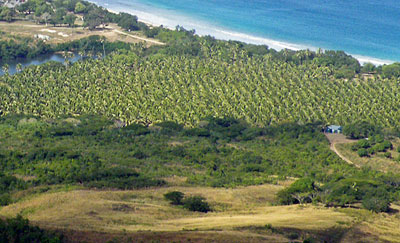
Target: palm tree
(5,68)
(19,67)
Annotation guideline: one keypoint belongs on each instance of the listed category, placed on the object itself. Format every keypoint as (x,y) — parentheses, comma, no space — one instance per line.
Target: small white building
(334,129)
(42,37)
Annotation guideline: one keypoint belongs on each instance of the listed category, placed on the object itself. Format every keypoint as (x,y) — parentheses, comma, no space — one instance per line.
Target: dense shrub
(347,191)
(137,129)
(196,203)
(376,204)
(362,152)
(363,143)
(175,197)
(387,155)
(301,189)
(361,129)
(19,230)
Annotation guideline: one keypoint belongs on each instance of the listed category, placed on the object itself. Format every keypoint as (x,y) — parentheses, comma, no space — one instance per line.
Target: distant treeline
(185,42)
(25,47)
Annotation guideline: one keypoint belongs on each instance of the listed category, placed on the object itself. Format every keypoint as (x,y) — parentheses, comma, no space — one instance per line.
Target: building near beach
(42,37)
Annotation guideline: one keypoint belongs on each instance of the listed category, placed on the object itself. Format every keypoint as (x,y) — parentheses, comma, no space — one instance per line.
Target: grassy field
(377,161)
(240,214)
(64,34)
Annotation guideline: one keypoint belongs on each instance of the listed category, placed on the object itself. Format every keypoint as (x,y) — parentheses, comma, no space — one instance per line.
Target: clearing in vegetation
(378,161)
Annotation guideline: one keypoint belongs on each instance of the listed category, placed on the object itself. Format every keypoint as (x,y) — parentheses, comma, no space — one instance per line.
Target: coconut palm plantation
(183,138)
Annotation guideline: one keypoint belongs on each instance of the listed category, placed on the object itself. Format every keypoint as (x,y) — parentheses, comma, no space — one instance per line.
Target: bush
(301,186)
(196,203)
(362,152)
(388,155)
(175,197)
(371,150)
(363,143)
(387,144)
(136,129)
(352,190)
(377,139)
(376,204)
(18,229)
(379,147)
(293,236)
(5,199)
(355,147)
(360,130)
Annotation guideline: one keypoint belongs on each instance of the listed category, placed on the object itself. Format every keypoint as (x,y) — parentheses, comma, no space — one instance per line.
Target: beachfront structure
(334,129)
(42,37)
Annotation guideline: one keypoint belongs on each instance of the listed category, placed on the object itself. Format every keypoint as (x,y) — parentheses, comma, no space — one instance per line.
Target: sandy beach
(159,18)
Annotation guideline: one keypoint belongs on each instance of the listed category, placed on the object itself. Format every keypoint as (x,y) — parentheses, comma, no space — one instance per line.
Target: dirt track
(336,139)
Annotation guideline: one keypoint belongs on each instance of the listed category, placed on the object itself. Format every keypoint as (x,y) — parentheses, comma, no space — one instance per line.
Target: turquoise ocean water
(367,29)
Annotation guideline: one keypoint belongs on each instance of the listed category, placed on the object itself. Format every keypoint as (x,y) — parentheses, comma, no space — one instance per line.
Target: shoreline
(203,29)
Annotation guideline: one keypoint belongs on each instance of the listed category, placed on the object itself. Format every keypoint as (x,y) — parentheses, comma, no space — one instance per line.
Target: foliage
(391,70)
(7,14)
(175,197)
(92,45)
(362,152)
(351,190)
(18,230)
(9,184)
(129,22)
(376,204)
(387,155)
(22,47)
(361,129)
(187,89)
(348,65)
(374,195)
(91,150)
(373,145)
(94,152)
(196,203)
(302,190)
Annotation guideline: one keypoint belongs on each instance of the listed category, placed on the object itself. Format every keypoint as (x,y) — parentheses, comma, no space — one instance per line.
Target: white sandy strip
(375,61)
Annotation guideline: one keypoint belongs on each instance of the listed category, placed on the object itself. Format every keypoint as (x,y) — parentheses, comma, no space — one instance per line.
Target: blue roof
(335,127)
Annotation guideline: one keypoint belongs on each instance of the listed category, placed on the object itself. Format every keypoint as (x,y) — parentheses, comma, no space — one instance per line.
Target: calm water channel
(12,65)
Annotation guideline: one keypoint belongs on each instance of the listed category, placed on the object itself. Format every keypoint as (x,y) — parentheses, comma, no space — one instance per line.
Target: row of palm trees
(185,89)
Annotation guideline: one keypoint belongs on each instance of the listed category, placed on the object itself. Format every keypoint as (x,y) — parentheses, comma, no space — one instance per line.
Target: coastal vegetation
(160,129)
(16,47)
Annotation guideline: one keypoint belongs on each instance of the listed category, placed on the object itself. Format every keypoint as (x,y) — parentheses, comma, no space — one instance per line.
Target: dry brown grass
(147,210)
(373,227)
(338,138)
(136,213)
